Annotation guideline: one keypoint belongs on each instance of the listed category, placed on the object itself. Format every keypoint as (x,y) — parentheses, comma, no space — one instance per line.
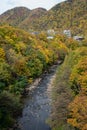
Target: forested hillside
(71,14)
(22,17)
(14,16)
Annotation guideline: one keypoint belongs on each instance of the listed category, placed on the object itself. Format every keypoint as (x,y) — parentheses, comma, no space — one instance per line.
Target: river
(37,104)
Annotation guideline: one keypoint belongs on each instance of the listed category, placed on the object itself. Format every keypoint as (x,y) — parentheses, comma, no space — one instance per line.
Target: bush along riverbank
(23,58)
(69,95)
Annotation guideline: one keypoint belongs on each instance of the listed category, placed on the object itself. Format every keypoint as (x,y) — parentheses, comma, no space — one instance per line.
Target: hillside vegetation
(70,14)
(14,16)
(22,17)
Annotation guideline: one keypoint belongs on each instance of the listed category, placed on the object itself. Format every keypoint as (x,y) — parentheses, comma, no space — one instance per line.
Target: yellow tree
(2,53)
(78,112)
(78,76)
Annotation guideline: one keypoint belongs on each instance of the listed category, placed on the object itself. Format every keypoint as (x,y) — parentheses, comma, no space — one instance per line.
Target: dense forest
(25,57)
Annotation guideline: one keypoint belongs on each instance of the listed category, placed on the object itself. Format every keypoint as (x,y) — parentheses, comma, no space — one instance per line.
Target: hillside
(22,17)
(14,16)
(34,15)
(66,15)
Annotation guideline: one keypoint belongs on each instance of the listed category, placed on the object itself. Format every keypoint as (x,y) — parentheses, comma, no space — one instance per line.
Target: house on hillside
(51,32)
(78,38)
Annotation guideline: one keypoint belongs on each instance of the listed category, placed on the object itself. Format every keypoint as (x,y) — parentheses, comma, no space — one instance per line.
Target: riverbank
(37,81)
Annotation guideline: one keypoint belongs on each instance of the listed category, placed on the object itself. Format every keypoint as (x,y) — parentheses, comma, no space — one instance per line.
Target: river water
(37,105)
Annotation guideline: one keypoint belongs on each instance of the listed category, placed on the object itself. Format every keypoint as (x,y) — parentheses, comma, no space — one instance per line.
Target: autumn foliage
(78,112)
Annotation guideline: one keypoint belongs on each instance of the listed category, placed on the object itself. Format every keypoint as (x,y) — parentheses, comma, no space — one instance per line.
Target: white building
(78,38)
(67,33)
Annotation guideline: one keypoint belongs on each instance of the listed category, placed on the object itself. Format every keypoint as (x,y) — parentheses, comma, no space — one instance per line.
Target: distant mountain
(14,16)
(70,14)
(22,17)
(29,23)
